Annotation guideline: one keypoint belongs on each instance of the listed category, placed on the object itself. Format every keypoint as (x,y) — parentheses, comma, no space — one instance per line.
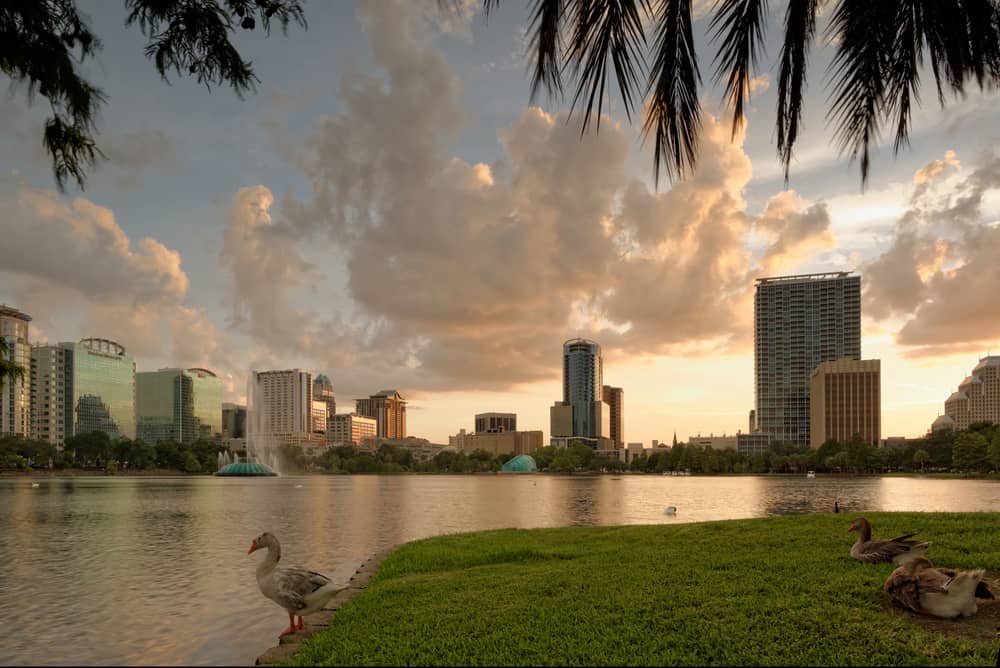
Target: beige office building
(845,398)
(614,397)
(15,395)
(977,398)
(498,443)
(350,428)
(494,422)
(51,371)
(388,409)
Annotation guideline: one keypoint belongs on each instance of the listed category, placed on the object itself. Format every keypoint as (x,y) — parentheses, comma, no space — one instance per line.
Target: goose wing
(294,584)
(875,551)
(982,588)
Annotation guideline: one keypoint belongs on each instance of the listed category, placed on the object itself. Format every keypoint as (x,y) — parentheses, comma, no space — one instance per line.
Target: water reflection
(155,571)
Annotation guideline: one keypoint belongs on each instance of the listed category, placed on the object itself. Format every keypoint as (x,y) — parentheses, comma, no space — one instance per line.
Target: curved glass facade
(583,374)
(178,405)
(103,388)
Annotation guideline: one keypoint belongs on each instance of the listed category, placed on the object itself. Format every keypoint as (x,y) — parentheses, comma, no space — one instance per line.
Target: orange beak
(852,528)
(253,546)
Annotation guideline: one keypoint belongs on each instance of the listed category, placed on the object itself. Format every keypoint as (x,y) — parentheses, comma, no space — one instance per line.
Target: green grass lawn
(776,591)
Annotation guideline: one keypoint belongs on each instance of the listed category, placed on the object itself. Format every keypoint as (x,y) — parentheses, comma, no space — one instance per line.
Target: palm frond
(800,31)
(946,32)
(673,116)
(546,46)
(859,74)
(903,84)
(740,25)
(604,29)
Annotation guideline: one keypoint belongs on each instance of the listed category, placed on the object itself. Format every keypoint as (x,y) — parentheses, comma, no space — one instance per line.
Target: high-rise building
(51,390)
(845,398)
(350,428)
(388,409)
(90,385)
(614,397)
(799,322)
(234,421)
(323,392)
(180,405)
(582,405)
(977,398)
(282,403)
(15,394)
(492,423)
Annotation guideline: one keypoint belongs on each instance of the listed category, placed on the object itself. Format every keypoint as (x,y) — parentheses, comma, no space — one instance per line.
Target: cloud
(939,274)
(468,275)
(65,256)
(133,152)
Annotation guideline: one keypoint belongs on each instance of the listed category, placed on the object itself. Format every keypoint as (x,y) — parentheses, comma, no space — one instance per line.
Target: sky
(390,210)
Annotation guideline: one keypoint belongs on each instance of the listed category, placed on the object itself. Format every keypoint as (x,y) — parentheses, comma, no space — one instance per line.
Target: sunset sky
(388,210)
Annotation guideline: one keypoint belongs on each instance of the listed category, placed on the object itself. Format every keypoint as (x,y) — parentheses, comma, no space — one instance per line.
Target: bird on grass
(897,550)
(299,591)
(941,592)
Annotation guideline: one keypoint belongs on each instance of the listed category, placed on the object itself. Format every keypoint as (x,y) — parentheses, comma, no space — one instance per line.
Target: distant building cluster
(977,398)
(71,388)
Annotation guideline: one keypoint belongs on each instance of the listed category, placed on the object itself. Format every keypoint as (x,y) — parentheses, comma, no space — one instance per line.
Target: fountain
(263,463)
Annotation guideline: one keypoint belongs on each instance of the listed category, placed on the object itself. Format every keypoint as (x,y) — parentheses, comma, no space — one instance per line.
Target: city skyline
(209,238)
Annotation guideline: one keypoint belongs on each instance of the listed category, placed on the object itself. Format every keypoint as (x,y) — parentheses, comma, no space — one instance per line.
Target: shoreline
(290,645)
(171,473)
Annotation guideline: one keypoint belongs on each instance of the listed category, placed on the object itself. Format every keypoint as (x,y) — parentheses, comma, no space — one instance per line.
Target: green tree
(920,457)
(90,447)
(191,463)
(970,452)
(44,45)
(995,451)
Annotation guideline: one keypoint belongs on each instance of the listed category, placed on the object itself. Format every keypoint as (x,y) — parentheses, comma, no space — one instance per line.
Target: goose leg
(301,623)
(291,626)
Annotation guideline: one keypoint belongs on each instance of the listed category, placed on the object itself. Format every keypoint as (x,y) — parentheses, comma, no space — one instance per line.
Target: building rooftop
(12,312)
(804,277)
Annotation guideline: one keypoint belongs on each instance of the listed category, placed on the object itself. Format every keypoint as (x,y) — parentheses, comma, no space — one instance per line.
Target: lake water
(155,570)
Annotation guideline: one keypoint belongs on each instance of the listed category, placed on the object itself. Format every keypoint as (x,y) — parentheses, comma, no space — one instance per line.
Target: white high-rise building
(284,403)
(350,428)
(977,398)
(15,395)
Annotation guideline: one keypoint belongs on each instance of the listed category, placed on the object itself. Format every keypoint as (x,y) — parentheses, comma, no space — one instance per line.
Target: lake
(132,570)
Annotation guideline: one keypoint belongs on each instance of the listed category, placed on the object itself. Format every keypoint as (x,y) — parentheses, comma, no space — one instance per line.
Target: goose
(297,590)
(897,550)
(941,592)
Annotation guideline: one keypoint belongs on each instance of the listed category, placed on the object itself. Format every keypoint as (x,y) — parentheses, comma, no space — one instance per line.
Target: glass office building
(180,405)
(102,388)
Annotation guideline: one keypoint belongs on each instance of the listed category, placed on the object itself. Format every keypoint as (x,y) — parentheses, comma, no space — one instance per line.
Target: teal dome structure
(246,469)
(520,464)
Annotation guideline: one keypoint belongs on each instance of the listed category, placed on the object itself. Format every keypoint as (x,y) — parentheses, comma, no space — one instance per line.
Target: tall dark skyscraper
(799,322)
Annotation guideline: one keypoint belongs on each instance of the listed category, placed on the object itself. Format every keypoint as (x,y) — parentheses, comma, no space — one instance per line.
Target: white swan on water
(670,510)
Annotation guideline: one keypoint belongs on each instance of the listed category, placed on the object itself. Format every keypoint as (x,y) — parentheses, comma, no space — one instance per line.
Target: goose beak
(253,546)
(852,528)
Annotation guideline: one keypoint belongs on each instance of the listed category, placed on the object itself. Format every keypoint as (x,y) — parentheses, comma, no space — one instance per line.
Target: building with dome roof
(976,400)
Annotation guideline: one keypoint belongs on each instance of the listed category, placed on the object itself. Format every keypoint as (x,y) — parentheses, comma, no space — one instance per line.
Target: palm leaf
(864,32)
(800,30)
(673,116)
(740,25)
(545,45)
(604,29)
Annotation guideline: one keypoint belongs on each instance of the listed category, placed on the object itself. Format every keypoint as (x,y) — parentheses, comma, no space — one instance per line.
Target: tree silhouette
(880,48)
(43,43)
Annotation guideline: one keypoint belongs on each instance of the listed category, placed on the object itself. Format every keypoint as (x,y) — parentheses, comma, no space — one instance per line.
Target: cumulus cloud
(61,255)
(939,274)
(470,275)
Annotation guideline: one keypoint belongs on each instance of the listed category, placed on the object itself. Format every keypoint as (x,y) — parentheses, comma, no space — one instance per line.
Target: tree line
(97,450)
(975,450)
